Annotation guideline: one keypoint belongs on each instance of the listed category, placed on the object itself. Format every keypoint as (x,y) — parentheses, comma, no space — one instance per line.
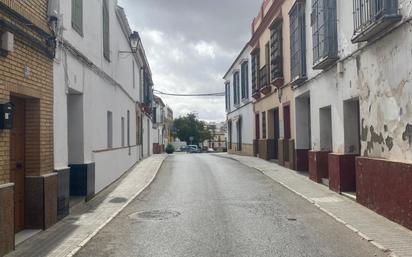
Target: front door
(17,165)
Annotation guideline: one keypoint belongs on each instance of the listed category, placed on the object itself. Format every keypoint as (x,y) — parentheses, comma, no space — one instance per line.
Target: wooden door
(17,167)
(286,118)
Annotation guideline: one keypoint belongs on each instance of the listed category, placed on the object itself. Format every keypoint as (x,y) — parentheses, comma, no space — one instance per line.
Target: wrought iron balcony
(264,76)
(372,16)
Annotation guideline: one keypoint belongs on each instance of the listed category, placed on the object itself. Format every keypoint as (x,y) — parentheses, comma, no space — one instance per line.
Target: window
(106,31)
(77,16)
(239,134)
(230,133)
(372,17)
(122,128)
(255,69)
(154,115)
(245,80)
(138,130)
(264,125)
(324,33)
(134,75)
(264,71)
(227,90)
(276,51)
(128,128)
(236,93)
(297,42)
(109,129)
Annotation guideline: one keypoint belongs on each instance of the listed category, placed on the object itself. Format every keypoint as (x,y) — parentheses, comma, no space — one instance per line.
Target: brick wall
(34,10)
(36,88)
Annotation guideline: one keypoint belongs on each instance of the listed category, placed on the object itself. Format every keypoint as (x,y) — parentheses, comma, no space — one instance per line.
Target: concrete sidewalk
(72,233)
(381,232)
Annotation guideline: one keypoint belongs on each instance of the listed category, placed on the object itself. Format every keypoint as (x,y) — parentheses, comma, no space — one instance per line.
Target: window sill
(375,28)
(298,81)
(325,62)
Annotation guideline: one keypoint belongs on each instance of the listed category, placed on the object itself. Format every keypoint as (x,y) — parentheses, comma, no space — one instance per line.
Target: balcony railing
(372,16)
(264,76)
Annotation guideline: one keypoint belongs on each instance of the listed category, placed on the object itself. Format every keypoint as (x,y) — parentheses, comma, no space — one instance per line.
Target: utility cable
(190,95)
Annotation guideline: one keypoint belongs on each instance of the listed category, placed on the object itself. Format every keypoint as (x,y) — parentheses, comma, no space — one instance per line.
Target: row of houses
(324,86)
(77,108)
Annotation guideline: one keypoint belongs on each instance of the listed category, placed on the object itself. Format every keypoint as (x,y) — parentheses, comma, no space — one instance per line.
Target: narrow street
(203,205)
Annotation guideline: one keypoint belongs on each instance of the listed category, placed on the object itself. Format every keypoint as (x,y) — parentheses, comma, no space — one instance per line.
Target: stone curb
(86,240)
(353,229)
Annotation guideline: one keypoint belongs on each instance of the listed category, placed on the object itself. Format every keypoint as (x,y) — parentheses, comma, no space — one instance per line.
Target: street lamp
(134,39)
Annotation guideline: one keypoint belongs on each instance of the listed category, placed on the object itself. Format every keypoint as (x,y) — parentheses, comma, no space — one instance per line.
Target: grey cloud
(190,45)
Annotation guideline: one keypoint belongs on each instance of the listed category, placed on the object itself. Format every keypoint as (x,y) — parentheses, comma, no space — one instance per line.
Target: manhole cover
(118,200)
(154,215)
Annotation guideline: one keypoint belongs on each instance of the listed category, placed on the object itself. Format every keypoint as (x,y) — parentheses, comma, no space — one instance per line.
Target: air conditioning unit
(53,9)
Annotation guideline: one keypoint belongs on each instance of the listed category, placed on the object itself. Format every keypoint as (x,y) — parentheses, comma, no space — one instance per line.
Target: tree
(190,126)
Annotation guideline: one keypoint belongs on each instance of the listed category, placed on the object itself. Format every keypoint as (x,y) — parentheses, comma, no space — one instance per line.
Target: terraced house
(103,93)
(353,105)
(28,185)
(331,88)
(239,106)
(272,80)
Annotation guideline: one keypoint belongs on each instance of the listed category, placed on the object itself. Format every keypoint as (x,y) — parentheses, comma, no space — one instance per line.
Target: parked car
(210,150)
(193,149)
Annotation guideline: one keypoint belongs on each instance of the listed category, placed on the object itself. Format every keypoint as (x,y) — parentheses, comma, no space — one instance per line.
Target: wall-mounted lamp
(134,39)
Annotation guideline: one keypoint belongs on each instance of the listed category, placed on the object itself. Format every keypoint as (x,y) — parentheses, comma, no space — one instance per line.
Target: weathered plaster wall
(384,74)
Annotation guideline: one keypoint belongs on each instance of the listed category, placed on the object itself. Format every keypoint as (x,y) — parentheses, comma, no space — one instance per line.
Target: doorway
(325,118)
(17,161)
(287,132)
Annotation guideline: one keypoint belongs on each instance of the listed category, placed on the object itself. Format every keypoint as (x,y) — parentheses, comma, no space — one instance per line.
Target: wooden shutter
(77,16)
(106,31)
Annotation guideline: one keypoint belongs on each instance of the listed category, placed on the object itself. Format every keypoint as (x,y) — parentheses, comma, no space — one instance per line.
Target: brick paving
(381,232)
(85,220)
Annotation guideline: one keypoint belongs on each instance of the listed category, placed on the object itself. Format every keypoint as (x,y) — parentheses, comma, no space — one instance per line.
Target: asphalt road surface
(207,206)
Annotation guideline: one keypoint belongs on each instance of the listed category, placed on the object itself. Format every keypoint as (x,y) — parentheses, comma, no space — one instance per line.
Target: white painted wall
(98,95)
(379,73)
(245,108)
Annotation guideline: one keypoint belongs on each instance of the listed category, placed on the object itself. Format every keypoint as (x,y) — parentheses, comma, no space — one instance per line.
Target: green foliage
(170,149)
(190,126)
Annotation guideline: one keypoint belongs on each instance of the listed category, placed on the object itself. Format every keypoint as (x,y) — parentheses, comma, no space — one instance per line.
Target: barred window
(372,17)
(245,79)
(106,31)
(227,90)
(236,93)
(324,28)
(255,69)
(298,41)
(264,125)
(276,51)
(77,16)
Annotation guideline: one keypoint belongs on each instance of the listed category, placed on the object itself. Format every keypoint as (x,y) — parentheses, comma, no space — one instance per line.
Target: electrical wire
(190,95)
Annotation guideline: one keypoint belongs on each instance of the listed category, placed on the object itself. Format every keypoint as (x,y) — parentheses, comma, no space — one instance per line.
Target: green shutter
(106,31)
(77,16)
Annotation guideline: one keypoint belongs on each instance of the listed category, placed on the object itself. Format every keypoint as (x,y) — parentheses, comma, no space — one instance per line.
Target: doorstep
(350,195)
(378,230)
(22,236)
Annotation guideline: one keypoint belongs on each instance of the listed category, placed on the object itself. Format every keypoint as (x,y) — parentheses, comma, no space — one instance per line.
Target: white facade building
(239,106)
(353,102)
(102,90)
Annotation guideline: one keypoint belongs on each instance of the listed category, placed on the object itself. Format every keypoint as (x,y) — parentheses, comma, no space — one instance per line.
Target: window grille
(297,42)
(372,16)
(324,33)
(255,70)
(245,80)
(276,51)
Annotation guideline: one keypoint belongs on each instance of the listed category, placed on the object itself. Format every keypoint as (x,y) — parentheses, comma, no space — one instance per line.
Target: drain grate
(154,215)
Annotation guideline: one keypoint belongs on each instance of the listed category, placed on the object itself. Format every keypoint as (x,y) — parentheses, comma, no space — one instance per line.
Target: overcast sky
(190,44)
